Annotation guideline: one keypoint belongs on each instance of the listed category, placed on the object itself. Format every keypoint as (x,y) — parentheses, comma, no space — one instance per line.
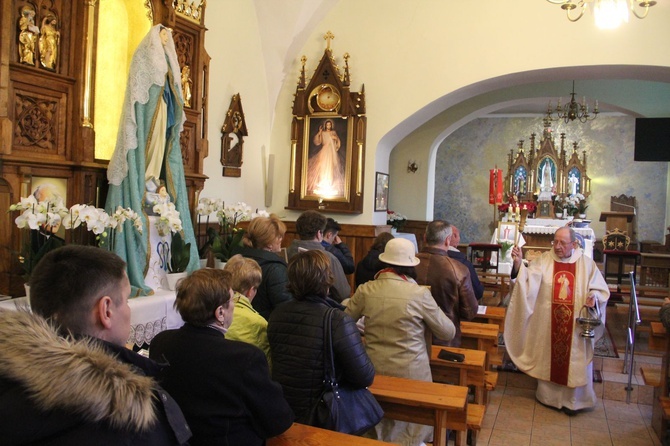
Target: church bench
(442,406)
(303,435)
(651,375)
(658,338)
(470,372)
(493,315)
(482,337)
(496,285)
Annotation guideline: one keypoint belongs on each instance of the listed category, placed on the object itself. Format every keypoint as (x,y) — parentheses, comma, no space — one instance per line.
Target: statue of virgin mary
(148,151)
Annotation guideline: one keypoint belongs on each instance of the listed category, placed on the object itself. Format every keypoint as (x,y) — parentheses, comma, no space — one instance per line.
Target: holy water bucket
(589,318)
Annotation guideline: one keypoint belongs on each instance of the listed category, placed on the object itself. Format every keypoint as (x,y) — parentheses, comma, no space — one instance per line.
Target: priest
(542,336)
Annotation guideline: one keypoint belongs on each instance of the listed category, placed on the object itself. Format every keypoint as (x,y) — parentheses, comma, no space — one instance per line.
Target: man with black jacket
(334,245)
(80,385)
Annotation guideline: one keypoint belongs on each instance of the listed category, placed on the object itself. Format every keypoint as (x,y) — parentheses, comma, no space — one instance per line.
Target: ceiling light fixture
(608,14)
(573,110)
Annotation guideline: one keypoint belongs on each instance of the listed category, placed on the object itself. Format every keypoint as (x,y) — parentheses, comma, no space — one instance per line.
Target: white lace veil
(148,67)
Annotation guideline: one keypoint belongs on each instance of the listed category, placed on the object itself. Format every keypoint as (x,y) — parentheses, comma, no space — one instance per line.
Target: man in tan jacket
(449,280)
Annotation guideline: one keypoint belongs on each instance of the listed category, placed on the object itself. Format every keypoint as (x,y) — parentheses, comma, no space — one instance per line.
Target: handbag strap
(328,359)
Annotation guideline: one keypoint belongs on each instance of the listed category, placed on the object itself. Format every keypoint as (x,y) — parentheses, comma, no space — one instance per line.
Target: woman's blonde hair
(263,231)
(245,273)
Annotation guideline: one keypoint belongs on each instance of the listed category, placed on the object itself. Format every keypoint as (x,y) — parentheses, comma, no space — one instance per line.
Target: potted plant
(582,206)
(559,204)
(44,220)
(180,256)
(396,220)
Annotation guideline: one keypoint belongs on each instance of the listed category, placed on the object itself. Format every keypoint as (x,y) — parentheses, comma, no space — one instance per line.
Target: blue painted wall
(465,157)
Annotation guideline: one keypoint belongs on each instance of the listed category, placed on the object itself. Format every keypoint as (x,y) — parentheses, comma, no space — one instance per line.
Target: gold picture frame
(326,159)
(508,232)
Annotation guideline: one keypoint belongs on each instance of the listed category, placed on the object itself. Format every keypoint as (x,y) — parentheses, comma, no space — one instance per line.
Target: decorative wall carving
(233,131)
(35,122)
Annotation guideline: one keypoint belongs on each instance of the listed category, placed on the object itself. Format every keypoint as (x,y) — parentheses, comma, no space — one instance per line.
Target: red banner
(562,321)
(495,186)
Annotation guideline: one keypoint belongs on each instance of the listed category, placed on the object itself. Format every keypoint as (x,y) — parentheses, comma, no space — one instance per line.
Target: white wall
(415,59)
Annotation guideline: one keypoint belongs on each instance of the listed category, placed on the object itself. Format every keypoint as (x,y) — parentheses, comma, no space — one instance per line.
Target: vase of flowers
(396,220)
(505,251)
(582,206)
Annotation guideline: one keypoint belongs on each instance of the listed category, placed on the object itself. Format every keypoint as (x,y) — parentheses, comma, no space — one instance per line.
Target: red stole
(562,320)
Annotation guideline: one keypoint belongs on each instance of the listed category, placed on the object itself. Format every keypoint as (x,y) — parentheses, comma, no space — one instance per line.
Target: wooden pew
(471,372)
(497,284)
(442,406)
(483,337)
(493,315)
(658,338)
(303,435)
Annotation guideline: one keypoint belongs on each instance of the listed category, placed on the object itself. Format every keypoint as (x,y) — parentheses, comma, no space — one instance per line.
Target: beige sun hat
(399,252)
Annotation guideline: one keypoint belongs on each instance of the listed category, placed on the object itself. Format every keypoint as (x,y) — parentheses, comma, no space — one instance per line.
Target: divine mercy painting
(327,158)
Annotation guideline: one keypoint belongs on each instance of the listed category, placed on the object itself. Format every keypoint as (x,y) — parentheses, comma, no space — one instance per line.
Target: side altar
(547,175)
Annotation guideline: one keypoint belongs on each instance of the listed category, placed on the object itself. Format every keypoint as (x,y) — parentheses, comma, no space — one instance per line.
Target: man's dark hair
(309,223)
(67,282)
(332,226)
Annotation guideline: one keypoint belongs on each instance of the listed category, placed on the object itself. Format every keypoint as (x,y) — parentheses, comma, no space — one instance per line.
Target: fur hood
(78,376)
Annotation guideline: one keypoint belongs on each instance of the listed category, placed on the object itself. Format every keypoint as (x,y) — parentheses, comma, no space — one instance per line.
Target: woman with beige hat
(397,313)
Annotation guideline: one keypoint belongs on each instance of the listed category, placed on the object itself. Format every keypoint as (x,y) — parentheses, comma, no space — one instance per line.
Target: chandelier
(573,110)
(608,14)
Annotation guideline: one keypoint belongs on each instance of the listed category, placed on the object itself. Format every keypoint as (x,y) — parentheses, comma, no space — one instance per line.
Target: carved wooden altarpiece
(546,172)
(47,91)
(328,136)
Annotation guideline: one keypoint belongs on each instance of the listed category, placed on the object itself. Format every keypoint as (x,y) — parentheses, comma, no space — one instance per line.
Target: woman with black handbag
(398,312)
(317,353)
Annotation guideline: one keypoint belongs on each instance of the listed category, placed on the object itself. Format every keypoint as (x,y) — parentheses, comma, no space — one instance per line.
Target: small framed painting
(381,192)
(508,232)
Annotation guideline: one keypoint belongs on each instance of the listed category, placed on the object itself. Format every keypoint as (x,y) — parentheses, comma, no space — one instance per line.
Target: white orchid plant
(221,242)
(576,204)
(45,218)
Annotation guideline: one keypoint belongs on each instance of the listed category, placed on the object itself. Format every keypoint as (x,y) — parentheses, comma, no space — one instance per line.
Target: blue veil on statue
(148,152)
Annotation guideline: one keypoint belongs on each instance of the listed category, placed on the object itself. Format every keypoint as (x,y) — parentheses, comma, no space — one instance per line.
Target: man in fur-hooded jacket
(83,387)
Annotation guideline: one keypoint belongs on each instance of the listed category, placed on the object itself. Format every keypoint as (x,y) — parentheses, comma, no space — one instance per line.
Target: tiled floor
(514,417)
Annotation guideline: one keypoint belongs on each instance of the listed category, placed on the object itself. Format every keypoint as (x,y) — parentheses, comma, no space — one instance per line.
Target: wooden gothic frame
(326,102)
(532,162)
(233,131)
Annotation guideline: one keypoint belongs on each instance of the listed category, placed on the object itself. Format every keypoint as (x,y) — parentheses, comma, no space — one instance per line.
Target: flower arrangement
(170,223)
(45,218)
(506,245)
(221,243)
(574,204)
(582,206)
(396,220)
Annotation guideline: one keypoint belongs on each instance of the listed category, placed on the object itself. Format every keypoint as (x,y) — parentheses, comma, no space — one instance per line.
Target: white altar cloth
(149,315)
(408,236)
(544,226)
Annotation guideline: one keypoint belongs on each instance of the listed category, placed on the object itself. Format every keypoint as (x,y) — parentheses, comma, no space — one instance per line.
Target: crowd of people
(249,361)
